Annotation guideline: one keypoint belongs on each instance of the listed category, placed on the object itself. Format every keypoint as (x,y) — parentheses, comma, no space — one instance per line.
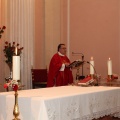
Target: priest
(59,73)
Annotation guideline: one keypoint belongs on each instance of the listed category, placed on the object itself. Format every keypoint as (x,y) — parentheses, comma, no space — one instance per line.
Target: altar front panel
(62,103)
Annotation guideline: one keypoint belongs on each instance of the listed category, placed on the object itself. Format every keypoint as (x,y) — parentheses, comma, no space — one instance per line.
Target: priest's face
(62,49)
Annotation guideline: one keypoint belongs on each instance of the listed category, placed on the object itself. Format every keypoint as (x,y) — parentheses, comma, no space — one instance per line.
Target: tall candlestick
(16,67)
(109,67)
(91,66)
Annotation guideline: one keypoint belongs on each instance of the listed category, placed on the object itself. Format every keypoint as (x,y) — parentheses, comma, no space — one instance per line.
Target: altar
(62,103)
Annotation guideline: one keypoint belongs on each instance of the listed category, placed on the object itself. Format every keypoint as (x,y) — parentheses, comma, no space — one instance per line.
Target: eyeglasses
(63,48)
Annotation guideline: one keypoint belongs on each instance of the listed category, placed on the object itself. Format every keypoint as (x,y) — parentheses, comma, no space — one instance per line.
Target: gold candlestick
(16,107)
(110,78)
(92,76)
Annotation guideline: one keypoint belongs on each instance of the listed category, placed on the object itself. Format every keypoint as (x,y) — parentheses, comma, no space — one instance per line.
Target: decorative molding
(68,29)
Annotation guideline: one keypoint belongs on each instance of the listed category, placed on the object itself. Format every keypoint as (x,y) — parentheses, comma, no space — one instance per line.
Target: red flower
(3,27)
(15,87)
(5,86)
(6,42)
(6,47)
(2,30)
(21,48)
(17,44)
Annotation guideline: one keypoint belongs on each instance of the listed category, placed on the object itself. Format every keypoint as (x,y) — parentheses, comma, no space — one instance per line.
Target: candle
(109,67)
(16,51)
(16,67)
(91,66)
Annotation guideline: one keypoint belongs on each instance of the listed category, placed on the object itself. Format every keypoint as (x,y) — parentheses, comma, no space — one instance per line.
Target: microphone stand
(80,77)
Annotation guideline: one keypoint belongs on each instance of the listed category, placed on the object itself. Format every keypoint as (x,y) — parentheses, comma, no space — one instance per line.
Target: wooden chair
(39,78)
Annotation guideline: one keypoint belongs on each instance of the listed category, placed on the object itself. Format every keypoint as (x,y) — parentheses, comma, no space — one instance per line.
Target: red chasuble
(57,77)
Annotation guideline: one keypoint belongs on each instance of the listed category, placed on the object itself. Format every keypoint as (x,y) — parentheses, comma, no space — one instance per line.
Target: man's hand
(67,64)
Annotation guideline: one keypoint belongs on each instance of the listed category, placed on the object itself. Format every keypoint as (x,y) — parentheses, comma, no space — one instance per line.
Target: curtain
(20,29)
(3,15)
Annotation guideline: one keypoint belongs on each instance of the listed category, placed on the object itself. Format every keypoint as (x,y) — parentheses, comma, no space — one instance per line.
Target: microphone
(95,72)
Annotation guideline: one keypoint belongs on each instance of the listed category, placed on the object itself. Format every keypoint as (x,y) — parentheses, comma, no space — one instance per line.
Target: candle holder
(92,76)
(16,107)
(109,79)
(95,78)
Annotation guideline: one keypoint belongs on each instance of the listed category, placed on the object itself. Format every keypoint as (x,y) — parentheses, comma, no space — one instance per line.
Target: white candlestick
(109,67)
(16,67)
(91,66)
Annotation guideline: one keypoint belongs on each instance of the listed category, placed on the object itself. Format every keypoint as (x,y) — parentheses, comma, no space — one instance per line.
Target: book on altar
(86,81)
(76,63)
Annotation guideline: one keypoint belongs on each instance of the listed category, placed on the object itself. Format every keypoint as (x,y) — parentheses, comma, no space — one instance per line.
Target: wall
(39,43)
(94,31)
(52,28)
(91,27)
(47,31)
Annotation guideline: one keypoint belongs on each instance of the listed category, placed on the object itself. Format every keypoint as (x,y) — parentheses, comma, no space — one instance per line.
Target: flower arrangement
(13,84)
(9,51)
(2,30)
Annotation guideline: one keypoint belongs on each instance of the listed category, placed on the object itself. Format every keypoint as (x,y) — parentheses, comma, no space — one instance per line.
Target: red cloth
(85,80)
(56,77)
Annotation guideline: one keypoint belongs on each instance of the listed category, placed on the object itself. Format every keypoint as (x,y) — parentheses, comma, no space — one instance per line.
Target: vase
(10,67)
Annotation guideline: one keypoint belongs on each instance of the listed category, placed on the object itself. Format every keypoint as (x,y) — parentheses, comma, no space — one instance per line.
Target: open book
(86,81)
(76,63)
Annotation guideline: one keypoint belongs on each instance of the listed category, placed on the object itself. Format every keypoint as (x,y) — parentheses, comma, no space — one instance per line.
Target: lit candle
(16,66)
(16,50)
(91,66)
(109,67)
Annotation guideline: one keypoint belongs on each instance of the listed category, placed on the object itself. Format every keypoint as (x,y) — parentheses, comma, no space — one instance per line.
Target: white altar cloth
(62,103)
